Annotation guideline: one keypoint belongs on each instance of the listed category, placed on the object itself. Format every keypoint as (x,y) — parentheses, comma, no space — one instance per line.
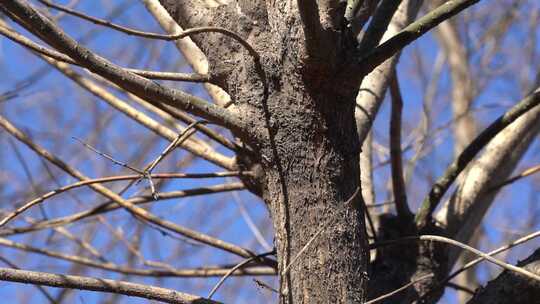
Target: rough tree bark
(304,143)
(303,137)
(509,287)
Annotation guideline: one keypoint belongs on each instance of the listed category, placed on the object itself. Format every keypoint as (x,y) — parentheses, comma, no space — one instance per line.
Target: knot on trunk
(246,161)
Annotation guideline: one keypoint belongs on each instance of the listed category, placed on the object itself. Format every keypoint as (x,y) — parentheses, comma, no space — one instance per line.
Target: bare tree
(293,112)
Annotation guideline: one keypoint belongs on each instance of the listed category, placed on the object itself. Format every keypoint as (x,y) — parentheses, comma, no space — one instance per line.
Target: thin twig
(460,288)
(385,203)
(286,270)
(249,221)
(232,270)
(265,286)
(107,156)
(55,192)
(400,289)
(149,35)
(173,76)
(168,272)
(183,136)
(491,253)
(142,173)
(524,173)
(110,206)
(442,239)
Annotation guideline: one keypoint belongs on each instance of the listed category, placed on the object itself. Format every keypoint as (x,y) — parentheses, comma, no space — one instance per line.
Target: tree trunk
(302,136)
(308,147)
(312,175)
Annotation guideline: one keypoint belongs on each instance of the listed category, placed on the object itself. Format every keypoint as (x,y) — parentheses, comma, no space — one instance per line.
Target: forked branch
(460,163)
(370,61)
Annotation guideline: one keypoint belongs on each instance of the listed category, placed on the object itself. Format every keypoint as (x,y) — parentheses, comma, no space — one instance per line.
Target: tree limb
(368,62)
(463,212)
(102,285)
(443,183)
(378,25)
(322,22)
(20,39)
(168,272)
(374,85)
(111,206)
(398,184)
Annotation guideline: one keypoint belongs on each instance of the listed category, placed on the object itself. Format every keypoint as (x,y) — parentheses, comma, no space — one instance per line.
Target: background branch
(141,87)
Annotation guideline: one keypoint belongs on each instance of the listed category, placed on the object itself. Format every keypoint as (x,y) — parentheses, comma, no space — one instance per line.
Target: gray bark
(510,287)
(304,144)
(303,137)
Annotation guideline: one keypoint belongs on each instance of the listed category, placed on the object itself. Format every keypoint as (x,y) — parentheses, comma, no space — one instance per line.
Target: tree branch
(149,35)
(370,61)
(50,194)
(322,22)
(168,272)
(398,290)
(111,206)
(103,285)
(398,184)
(491,253)
(40,288)
(374,85)
(436,238)
(190,145)
(138,85)
(463,212)
(20,39)
(510,287)
(191,52)
(128,205)
(378,25)
(443,183)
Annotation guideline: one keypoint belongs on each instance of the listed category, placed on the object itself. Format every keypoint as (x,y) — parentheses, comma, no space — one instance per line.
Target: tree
(298,84)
